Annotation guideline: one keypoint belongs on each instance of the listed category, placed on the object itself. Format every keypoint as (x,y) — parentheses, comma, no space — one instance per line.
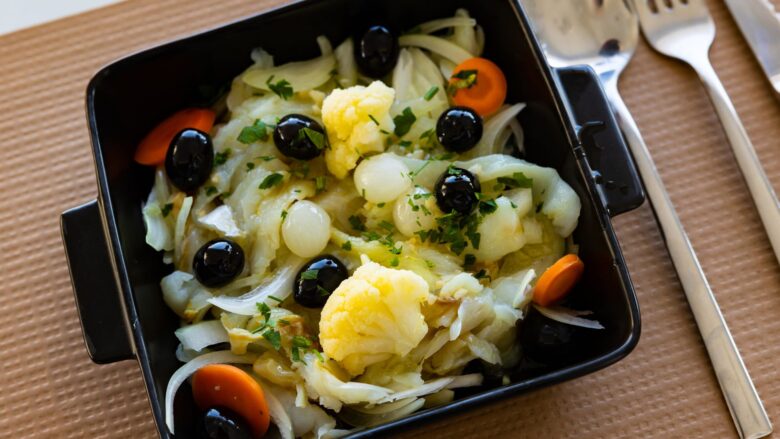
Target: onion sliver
(426,389)
(470,380)
(201,335)
(188,369)
(569,317)
(432,26)
(357,418)
(279,286)
(302,75)
(437,45)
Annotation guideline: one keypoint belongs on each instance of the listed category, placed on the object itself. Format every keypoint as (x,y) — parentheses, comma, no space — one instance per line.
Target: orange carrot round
(223,385)
(486,92)
(558,280)
(152,149)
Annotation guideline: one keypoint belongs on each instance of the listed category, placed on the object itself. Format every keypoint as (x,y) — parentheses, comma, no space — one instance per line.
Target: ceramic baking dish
(567,126)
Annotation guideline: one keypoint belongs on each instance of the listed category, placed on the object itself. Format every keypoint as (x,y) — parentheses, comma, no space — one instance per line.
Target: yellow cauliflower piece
(373,315)
(347,115)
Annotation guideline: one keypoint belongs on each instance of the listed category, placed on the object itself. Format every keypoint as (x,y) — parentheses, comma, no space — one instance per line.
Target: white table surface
(19,14)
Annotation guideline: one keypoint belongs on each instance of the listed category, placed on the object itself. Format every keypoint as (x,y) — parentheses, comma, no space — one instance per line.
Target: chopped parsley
(319,183)
(539,207)
(274,337)
(275,298)
(486,207)
(314,136)
(284,214)
(166,209)
(266,158)
(281,88)
(387,225)
(482,274)
(221,157)
(517,180)
(463,79)
(250,166)
(381,205)
(347,245)
(404,143)
(431,93)
(357,223)
(403,122)
(394,262)
(271,181)
(469,260)
(456,230)
(310,274)
(373,119)
(211,190)
(253,133)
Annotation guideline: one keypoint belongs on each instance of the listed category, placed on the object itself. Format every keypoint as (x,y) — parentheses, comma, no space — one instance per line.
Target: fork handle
(741,397)
(759,185)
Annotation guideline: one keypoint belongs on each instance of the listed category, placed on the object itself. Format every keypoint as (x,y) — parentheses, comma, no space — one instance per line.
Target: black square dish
(567,126)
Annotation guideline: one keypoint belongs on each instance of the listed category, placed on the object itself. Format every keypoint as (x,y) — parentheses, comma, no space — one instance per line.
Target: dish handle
(611,166)
(98,300)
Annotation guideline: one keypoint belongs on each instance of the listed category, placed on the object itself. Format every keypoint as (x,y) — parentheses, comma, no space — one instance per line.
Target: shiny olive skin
(376,51)
(459,129)
(551,342)
(189,159)
(291,142)
(456,190)
(218,262)
(313,293)
(222,423)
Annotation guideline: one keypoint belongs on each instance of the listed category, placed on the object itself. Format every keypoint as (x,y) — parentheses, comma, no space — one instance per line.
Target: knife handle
(758,184)
(738,390)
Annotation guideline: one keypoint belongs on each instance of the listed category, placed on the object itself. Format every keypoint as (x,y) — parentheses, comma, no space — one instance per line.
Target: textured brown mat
(49,388)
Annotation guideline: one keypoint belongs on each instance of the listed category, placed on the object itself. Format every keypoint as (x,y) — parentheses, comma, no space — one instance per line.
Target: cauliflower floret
(354,118)
(373,315)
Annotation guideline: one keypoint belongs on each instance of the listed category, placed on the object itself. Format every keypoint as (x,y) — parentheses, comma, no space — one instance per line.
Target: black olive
(222,423)
(292,141)
(459,129)
(457,190)
(376,52)
(551,342)
(317,280)
(218,262)
(189,159)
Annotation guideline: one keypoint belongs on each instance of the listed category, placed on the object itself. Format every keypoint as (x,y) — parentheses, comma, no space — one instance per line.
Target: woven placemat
(665,388)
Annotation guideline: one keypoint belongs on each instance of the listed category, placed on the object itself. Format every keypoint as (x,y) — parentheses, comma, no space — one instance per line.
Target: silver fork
(685,31)
(606,33)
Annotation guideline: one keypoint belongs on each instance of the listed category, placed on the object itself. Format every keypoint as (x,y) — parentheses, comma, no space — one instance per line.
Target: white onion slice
(278,414)
(494,126)
(188,369)
(201,335)
(279,285)
(569,317)
(426,389)
(360,419)
(517,130)
(221,221)
(469,380)
(302,75)
(181,223)
(437,45)
(432,26)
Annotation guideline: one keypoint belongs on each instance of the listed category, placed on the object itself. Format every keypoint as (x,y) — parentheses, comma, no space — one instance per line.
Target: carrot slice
(485,92)
(223,385)
(558,280)
(152,149)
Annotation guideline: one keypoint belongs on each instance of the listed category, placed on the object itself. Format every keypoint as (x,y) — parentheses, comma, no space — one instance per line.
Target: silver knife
(760,25)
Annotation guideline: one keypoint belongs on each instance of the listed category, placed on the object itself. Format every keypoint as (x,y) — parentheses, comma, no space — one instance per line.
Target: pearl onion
(306,229)
(407,220)
(382,178)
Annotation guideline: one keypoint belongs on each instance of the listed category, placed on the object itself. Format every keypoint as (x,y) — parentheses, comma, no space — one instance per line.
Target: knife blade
(760,24)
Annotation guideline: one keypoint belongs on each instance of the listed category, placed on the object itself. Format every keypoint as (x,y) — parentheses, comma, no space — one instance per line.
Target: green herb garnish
(253,133)
(403,122)
(517,180)
(271,181)
(347,245)
(314,136)
(431,93)
(221,157)
(211,190)
(310,274)
(464,79)
(274,337)
(281,88)
(469,260)
(166,209)
(319,183)
(373,119)
(275,298)
(357,223)
(486,207)
(250,166)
